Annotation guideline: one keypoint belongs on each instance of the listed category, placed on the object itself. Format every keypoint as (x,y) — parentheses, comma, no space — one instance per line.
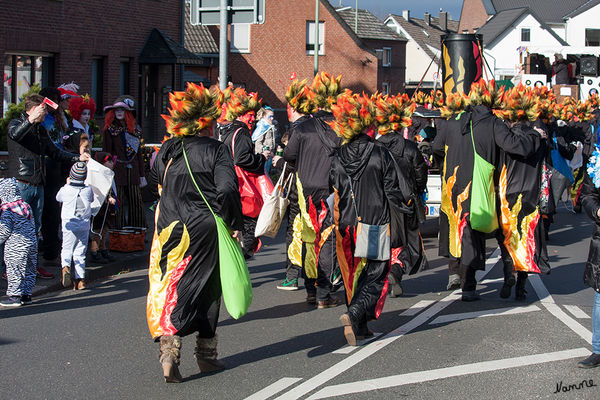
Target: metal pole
(356,18)
(316,68)
(223,49)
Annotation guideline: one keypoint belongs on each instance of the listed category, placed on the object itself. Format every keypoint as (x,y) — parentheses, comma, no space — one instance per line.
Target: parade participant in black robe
(185,286)
(310,150)
(521,234)
(240,110)
(300,108)
(458,242)
(366,189)
(393,114)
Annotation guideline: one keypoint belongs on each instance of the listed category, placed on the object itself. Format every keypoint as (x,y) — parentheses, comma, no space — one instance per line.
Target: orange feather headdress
(191,111)
(354,114)
(326,89)
(237,102)
(300,97)
(392,113)
(455,103)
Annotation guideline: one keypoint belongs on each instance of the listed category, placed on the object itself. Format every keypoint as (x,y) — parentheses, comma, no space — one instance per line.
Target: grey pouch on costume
(373,242)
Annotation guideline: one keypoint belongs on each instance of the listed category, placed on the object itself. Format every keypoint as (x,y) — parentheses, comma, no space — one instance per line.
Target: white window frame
(385,88)
(310,32)
(240,31)
(387,57)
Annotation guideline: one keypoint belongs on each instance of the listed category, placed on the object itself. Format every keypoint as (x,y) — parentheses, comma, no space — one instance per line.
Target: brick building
(264,56)
(98,45)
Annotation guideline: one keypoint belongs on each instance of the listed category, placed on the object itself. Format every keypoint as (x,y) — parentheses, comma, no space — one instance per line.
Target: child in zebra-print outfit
(18,233)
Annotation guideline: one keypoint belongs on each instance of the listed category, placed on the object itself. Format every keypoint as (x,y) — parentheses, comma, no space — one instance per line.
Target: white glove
(143,182)
(561,123)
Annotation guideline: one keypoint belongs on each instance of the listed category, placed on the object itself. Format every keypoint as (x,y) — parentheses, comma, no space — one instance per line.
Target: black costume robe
(185,286)
(412,167)
(310,150)
(521,233)
(453,142)
(378,196)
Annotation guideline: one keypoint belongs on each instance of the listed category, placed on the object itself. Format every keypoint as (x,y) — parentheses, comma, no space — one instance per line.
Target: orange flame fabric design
(519,239)
(456,220)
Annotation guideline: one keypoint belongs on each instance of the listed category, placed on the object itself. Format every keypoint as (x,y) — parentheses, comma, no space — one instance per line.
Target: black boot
(507,287)
(520,292)
(395,285)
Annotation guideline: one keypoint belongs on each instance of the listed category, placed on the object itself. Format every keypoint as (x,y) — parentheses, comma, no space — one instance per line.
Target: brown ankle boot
(169,358)
(206,354)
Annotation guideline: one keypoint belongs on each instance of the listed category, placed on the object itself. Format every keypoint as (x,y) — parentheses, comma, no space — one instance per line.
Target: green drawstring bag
(483,195)
(235,279)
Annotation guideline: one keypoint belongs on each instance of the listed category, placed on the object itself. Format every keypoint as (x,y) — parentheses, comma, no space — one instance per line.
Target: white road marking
(493,280)
(548,302)
(417,308)
(577,312)
(367,351)
(273,389)
(349,349)
(441,373)
(483,313)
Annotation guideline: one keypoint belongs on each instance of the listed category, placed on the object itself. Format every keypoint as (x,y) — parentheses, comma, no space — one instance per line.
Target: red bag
(254,188)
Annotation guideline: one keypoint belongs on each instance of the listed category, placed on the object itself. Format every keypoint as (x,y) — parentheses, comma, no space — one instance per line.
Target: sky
(381,8)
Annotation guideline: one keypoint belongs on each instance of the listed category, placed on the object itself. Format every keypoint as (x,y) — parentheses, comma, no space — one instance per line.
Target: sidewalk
(124,262)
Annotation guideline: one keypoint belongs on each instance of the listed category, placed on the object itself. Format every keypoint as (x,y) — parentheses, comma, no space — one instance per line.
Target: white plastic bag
(273,209)
(100,179)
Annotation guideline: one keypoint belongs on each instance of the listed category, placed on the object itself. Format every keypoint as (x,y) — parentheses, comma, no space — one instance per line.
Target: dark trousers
(291,271)
(248,240)
(368,291)
(51,220)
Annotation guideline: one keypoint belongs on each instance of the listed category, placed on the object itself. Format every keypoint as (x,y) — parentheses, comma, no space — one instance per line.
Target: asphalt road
(95,344)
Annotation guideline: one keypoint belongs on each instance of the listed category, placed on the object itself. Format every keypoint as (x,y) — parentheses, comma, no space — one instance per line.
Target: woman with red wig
(123,139)
(80,138)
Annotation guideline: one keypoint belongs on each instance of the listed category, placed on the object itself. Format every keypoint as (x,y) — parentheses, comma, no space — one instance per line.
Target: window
(240,38)
(310,38)
(98,83)
(21,72)
(385,88)
(124,73)
(387,57)
(525,35)
(592,37)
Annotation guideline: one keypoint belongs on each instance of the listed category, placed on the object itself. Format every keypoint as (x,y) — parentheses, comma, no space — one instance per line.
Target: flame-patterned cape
(453,142)
(185,287)
(521,229)
(309,150)
(378,195)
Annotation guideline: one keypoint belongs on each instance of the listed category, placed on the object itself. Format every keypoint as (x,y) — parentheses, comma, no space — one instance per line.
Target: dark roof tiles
(369,26)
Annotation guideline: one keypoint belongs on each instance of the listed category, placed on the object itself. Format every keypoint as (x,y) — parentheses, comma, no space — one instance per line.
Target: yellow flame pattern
(158,283)
(520,243)
(456,223)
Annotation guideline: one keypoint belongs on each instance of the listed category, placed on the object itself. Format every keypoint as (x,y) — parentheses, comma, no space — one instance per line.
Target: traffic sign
(207,12)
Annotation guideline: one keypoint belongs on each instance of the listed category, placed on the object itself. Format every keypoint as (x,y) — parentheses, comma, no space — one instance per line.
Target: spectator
(17,232)
(591,276)
(82,109)
(123,139)
(57,126)
(28,144)
(561,70)
(105,219)
(76,199)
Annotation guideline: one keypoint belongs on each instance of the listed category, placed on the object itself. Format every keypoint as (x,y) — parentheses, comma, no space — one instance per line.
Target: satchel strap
(352,197)
(472,138)
(233,143)
(194,180)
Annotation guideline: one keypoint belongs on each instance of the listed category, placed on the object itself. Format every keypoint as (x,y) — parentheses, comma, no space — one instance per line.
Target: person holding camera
(28,144)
